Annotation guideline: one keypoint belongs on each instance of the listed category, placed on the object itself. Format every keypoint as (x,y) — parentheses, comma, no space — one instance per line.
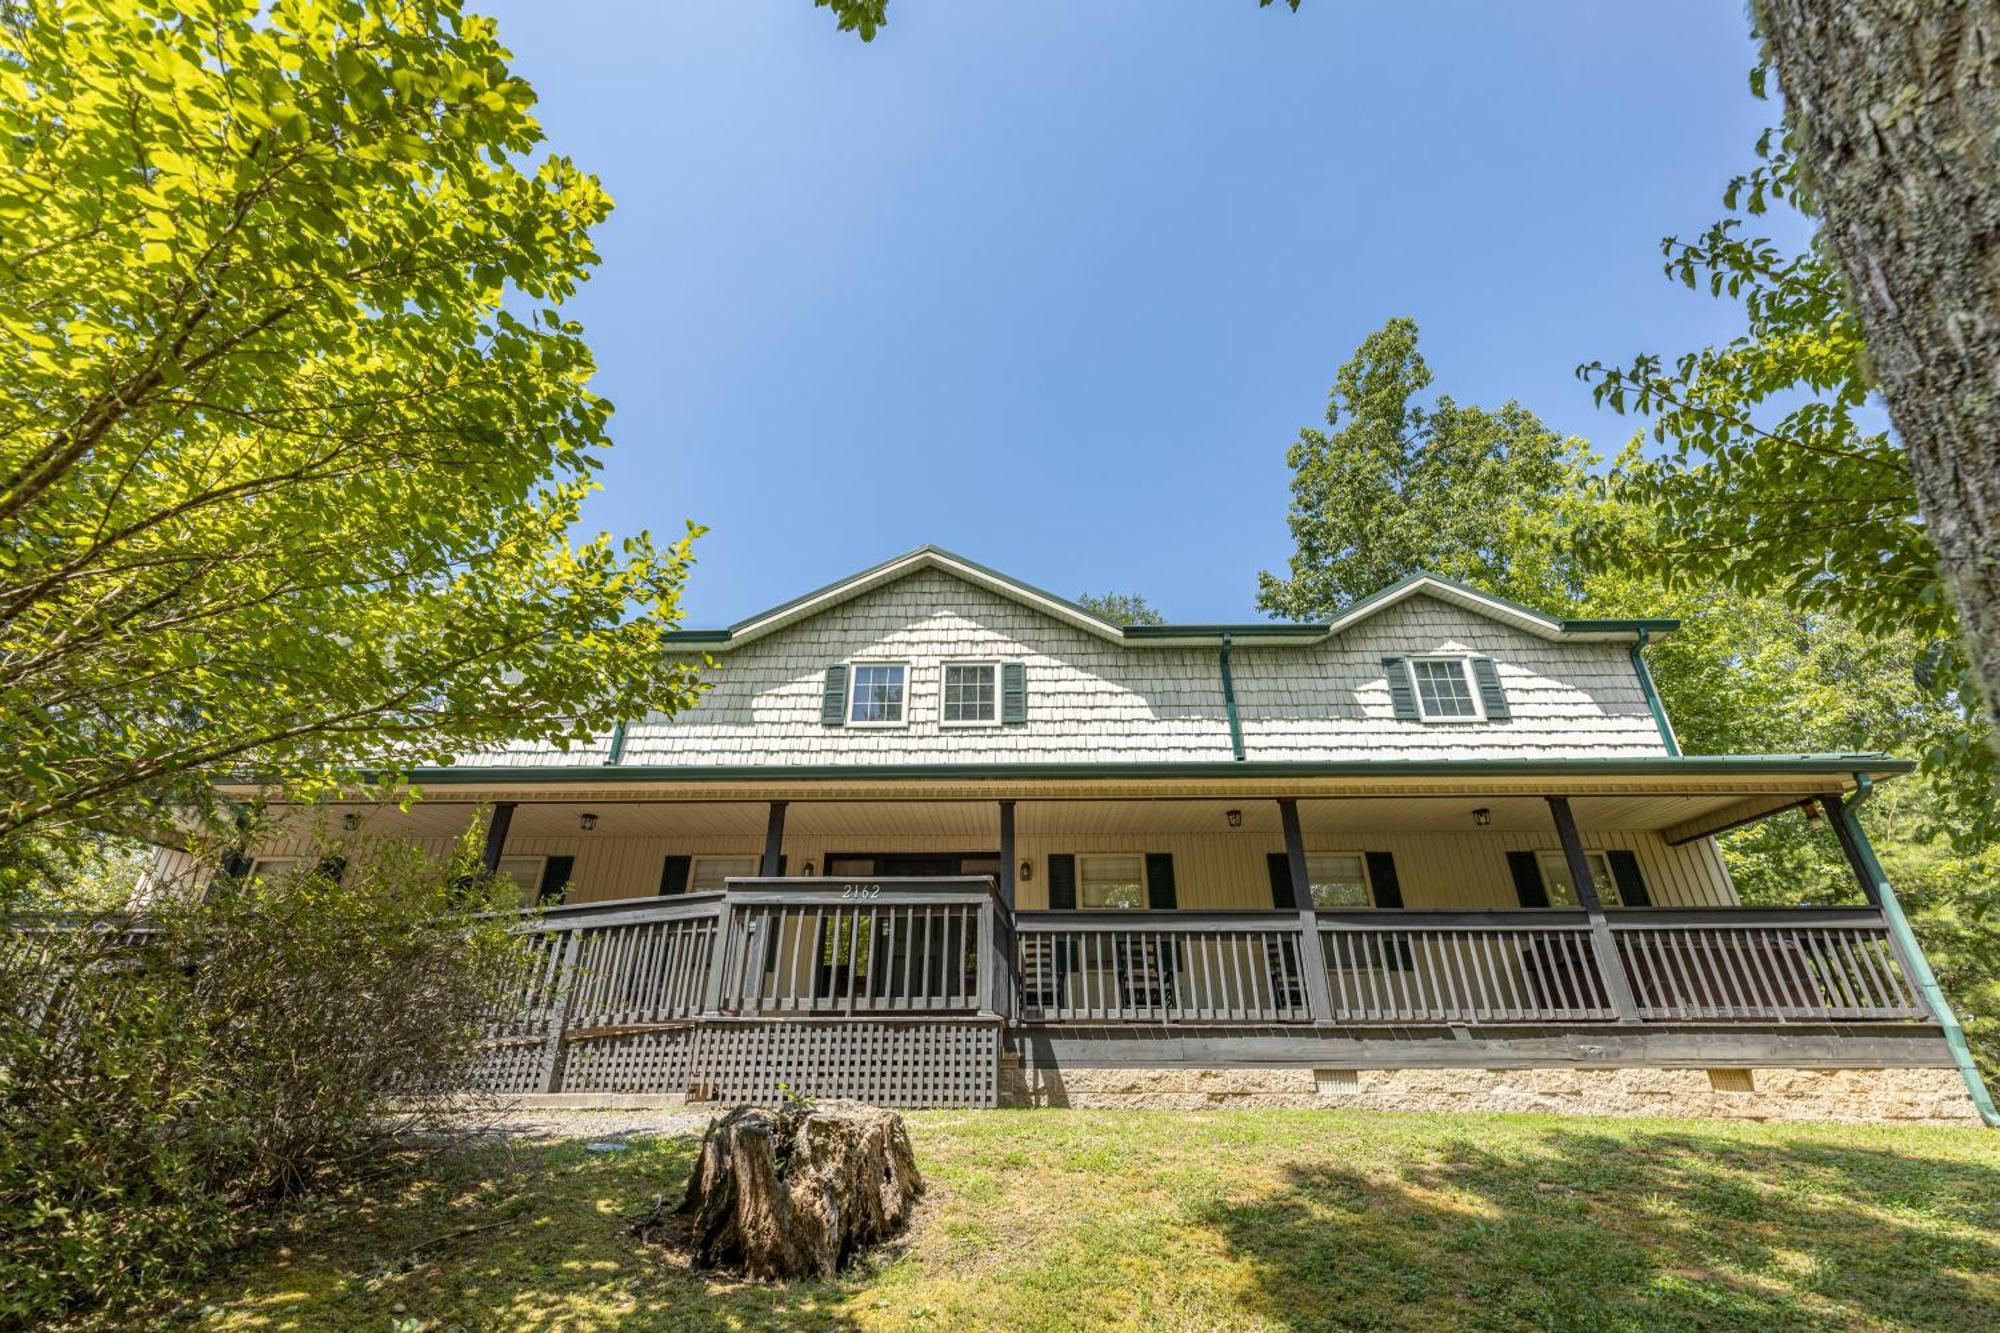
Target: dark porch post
(1616,983)
(1312,952)
(1837,820)
(1001,965)
(1007,855)
(774,842)
(496,836)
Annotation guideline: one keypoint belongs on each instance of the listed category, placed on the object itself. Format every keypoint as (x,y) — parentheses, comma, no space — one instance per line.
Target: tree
(295,430)
(1121,608)
(1490,498)
(1895,113)
(1770,481)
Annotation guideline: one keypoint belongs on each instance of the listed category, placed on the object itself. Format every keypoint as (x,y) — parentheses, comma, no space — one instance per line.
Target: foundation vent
(1327,1081)
(1731,1080)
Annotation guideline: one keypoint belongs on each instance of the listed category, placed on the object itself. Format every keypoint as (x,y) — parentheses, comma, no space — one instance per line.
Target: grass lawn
(1240,1219)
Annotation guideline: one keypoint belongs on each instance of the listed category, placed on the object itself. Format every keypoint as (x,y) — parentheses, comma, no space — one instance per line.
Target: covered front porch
(908,944)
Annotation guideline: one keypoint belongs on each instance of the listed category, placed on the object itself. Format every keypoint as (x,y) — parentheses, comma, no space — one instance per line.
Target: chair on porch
(1044,963)
(1145,967)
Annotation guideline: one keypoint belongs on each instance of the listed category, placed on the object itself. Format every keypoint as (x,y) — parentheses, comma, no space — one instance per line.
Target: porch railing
(1161,967)
(1810,964)
(1462,967)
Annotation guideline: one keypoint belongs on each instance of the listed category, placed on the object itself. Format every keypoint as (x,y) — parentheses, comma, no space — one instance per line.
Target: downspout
(617,752)
(1659,710)
(1913,954)
(1229,700)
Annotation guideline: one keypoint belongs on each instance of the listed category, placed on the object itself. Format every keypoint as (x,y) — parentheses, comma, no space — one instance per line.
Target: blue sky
(1055,284)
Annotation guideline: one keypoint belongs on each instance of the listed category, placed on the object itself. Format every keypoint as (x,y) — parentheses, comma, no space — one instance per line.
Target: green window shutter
(1382,878)
(1631,884)
(1062,882)
(1280,866)
(1528,886)
(1160,894)
(555,879)
(674,875)
(1013,692)
(1487,679)
(1402,692)
(833,697)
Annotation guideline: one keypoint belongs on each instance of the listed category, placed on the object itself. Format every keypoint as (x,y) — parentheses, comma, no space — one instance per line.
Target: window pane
(1562,889)
(1338,882)
(1112,881)
(524,872)
(273,867)
(710,871)
(878,694)
(1442,689)
(969,692)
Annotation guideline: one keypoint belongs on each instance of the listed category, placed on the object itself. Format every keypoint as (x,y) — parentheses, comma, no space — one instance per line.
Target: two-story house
(935,837)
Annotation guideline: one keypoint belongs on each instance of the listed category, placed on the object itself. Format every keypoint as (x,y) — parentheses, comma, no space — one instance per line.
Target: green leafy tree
(1121,608)
(1768,477)
(295,429)
(1490,498)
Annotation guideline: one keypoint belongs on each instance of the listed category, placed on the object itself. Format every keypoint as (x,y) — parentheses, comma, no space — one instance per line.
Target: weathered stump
(781,1194)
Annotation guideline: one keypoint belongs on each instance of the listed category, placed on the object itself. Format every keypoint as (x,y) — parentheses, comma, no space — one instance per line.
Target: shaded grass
(1241,1219)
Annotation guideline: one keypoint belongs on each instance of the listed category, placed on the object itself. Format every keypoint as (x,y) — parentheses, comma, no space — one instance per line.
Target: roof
(1260,632)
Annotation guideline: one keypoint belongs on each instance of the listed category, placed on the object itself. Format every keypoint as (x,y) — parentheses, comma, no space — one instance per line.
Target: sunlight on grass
(1252,1219)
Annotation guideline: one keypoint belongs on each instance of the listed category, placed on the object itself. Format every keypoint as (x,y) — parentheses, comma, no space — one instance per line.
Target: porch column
(1312,951)
(1007,855)
(1836,820)
(774,841)
(1617,985)
(496,836)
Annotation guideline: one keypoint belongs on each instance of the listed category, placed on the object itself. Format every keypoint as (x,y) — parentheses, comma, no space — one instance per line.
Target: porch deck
(912,991)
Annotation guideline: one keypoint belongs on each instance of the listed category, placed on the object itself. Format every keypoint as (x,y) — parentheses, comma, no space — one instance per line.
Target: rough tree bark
(795,1193)
(1897,108)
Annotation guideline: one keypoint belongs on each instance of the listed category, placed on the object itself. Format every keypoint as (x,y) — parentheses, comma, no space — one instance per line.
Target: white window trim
(1614,900)
(258,864)
(1464,663)
(944,669)
(853,691)
(534,887)
(694,863)
(1367,880)
(1145,888)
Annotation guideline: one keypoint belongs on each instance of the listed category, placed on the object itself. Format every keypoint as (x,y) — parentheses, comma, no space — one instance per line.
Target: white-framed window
(274,867)
(1339,881)
(878,694)
(708,872)
(971,695)
(1561,887)
(1111,881)
(1444,690)
(524,873)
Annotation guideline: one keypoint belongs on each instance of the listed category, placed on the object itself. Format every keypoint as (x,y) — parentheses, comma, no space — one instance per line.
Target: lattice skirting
(908,1064)
(629,1062)
(510,1065)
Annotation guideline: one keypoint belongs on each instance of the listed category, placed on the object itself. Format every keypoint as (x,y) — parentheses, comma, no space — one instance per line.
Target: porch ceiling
(627,814)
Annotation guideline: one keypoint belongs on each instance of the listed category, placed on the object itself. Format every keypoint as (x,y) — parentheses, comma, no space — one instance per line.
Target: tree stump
(794,1193)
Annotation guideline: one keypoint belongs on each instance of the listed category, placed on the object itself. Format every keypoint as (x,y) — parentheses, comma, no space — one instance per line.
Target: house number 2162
(861,890)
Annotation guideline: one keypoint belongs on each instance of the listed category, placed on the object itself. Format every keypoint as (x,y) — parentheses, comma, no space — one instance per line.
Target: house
(938,838)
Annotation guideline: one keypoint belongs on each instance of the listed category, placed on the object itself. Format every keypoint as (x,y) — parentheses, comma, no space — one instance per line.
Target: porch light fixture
(1027,871)
(1235,818)
(1482,816)
(808,870)
(588,820)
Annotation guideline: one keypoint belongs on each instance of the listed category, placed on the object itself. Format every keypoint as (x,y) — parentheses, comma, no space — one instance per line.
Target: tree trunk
(1897,108)
(796,1193)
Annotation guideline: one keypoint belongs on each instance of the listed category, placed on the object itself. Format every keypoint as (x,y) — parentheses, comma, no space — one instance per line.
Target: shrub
(165,1080)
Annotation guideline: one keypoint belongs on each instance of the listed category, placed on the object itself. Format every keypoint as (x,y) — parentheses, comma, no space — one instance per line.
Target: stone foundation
(1905,1096)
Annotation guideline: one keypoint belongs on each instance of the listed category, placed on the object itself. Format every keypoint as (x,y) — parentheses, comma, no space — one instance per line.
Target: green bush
(164,1083)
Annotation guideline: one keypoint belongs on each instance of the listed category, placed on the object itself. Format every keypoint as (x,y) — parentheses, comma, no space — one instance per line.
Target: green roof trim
(1269,633)
(1880,765)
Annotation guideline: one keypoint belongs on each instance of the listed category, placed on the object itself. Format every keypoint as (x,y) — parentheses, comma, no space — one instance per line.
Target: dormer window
(1444,689)
(879,694)
(971,694)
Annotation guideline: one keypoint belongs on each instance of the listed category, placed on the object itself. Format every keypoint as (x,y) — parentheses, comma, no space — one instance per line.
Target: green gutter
(1822,765)
(1913,954)
(1659,709)
(1229,701)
